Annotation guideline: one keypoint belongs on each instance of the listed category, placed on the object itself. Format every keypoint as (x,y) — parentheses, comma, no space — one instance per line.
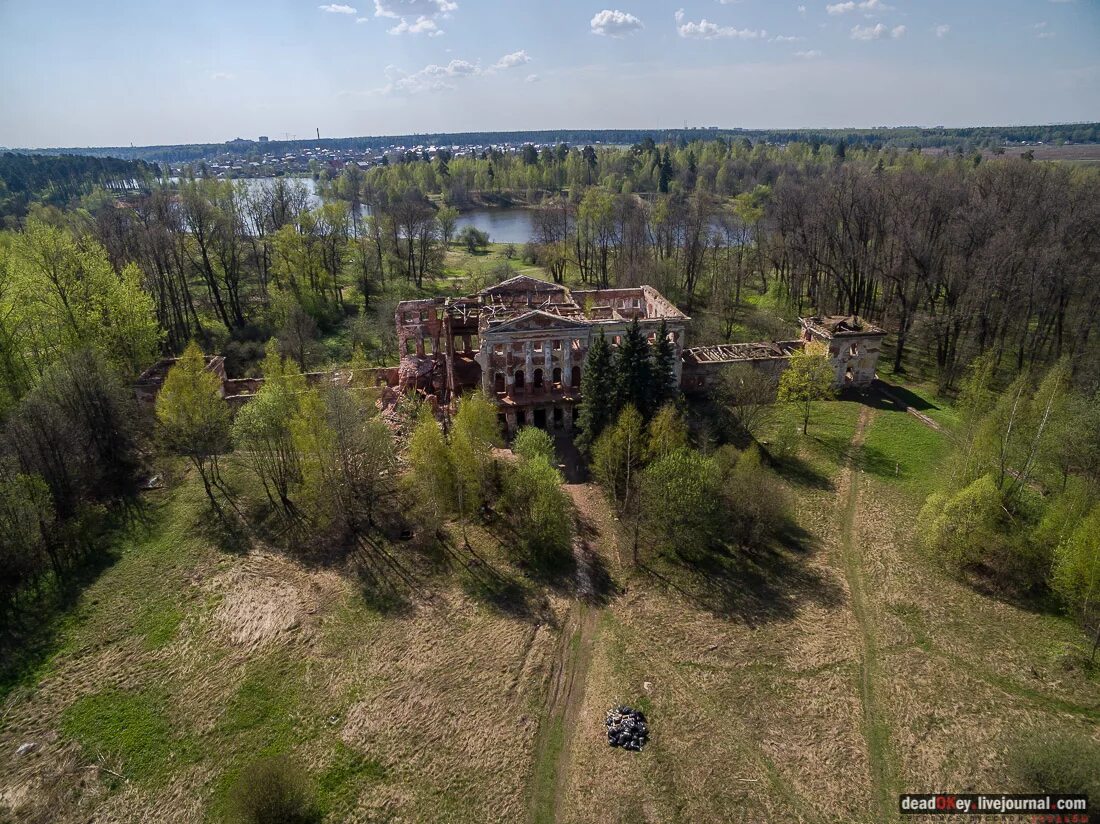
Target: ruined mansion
(524,343)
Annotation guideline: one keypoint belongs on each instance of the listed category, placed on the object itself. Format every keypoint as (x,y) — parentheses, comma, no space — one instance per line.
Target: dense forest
(964,258)
(26,179)
(968,138)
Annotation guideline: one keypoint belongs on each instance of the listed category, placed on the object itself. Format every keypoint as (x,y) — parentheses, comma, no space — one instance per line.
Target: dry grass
(427,713)
(427,707)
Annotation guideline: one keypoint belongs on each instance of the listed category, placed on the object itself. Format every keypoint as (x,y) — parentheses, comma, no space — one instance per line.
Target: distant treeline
(975,137)
(57,180)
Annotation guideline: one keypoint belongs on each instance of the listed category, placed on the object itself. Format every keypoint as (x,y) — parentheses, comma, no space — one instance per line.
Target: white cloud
(337,8)
(221,76)
(1045,35)
(422,14)
(533,78)
(877,32)
(801,9)
(422,25)
(869,6)
(874,32)
(705,30)
(431,78)
(413,8)
(808,55)
(362,19)
(783,38)
(942,30)
(614,23)
(510,61)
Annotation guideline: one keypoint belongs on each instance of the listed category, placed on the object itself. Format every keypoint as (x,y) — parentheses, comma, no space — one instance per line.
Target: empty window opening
(556,376)
(519,378)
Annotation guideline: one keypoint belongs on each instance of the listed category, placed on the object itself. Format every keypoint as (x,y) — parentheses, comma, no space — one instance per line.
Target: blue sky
(117,72)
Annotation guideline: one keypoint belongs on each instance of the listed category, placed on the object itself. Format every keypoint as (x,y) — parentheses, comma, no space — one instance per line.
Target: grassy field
(811,680)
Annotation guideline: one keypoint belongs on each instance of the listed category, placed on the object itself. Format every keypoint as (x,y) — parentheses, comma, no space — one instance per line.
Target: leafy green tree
(532,442)
(681,503)
(597,393)
(346,455)
(962,526)
(194,418)
(447,218)
(60,296)
(473,239)
(756,506)
(431,473)
(618,456)
(1076,575)
(540,511)
(263,435)
(807,379)
(667,433)
(475,431)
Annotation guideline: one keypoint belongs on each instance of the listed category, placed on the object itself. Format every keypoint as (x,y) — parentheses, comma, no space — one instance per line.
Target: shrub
(1056,763)
(273,791)
(532,442)
(963,526)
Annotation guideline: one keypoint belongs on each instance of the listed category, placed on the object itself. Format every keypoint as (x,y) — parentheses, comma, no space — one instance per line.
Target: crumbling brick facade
(524,342)
(854,347)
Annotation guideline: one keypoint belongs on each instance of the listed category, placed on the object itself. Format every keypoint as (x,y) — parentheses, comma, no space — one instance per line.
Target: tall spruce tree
(633,366)
(664,365)
(666,171)
(597,393)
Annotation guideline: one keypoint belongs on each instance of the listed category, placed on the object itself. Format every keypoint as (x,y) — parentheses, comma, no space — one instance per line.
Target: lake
(504,225)
(507,225)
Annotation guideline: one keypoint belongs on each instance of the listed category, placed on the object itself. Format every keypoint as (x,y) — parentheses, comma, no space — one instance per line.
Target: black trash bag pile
(626,728)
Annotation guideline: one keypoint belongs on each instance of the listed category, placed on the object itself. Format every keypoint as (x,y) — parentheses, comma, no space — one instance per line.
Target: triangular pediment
(522,283)
(536,320)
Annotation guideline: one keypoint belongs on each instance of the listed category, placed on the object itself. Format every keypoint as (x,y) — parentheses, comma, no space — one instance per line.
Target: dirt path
(569,672)
(875,728)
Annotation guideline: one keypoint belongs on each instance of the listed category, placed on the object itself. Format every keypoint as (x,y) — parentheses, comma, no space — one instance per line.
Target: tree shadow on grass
(800,472)
(904,398)
(756,586)
(30,632)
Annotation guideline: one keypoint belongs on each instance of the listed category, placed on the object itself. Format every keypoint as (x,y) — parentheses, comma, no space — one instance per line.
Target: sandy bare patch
(267,601)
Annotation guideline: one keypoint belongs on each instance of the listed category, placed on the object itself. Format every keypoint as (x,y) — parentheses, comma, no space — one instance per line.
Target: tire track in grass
(876,730)
(568,677)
